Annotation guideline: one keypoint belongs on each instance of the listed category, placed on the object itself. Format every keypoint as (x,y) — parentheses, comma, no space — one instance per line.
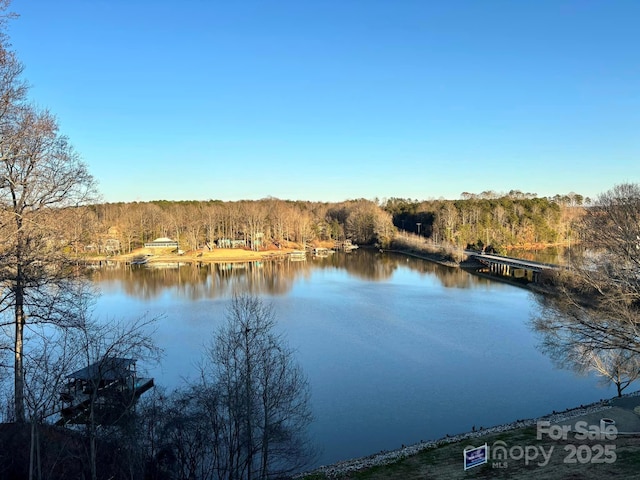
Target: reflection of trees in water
(450,277)
(203,281)
(218,280)
(364,264)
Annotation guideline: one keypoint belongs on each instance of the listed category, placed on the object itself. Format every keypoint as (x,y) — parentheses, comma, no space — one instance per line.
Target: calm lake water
(397,349)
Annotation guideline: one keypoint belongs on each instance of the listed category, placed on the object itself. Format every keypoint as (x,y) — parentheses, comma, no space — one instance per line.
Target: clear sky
(336,99)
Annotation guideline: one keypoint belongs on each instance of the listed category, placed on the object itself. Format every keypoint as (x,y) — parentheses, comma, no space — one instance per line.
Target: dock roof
(110,368)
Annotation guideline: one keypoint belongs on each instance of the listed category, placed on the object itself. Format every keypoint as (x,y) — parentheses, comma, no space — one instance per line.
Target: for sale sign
(474,456)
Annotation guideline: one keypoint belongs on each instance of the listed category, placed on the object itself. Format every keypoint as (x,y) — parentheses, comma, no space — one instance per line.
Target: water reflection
(221,280)
(397,349)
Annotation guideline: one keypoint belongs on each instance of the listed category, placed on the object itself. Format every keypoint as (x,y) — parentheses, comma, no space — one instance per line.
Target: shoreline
(426,256)
(217,255)
(383,458)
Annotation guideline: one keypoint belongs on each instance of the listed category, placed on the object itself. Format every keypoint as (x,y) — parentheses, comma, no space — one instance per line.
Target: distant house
(163,242)
(111,245)
(228,243)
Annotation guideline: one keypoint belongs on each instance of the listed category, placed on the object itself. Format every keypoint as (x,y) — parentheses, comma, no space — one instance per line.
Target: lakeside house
(229,243)
(109,246)
(162,242)
(255,241)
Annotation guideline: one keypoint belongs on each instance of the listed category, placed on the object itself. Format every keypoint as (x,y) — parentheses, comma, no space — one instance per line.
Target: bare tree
(96,396)
(39,172)
(620,367)
(51,352)
(188,443)
(595,306)
(258,397)
(103,393)
(617,366)
(255,215)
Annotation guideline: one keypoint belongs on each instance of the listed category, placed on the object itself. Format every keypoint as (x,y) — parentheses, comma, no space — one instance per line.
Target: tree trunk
(248,400)
(19,348)
(92,436)
(32,449)
(264,472)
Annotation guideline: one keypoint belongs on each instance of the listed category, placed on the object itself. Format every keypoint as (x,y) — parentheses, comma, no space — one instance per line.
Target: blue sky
(332,100)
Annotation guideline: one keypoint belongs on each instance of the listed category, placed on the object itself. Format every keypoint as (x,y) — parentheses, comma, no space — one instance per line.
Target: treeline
(476,220)
(589,313)
(258,224)
(490,220)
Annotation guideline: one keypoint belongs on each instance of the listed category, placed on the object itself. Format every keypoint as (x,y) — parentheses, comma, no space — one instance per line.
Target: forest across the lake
(514,219)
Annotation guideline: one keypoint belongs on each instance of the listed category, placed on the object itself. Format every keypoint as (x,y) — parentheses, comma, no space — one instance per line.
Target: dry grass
(420,247)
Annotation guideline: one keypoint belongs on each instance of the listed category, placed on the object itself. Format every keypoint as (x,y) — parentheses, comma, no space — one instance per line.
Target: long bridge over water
(512,268)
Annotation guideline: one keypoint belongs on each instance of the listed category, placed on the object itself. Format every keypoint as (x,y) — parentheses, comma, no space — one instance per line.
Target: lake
(396,349)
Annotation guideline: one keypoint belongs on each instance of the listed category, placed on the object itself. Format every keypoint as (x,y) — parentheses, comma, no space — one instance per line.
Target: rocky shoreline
(387,457)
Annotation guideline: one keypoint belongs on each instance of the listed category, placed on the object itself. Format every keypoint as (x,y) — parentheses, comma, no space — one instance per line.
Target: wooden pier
(298,256)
